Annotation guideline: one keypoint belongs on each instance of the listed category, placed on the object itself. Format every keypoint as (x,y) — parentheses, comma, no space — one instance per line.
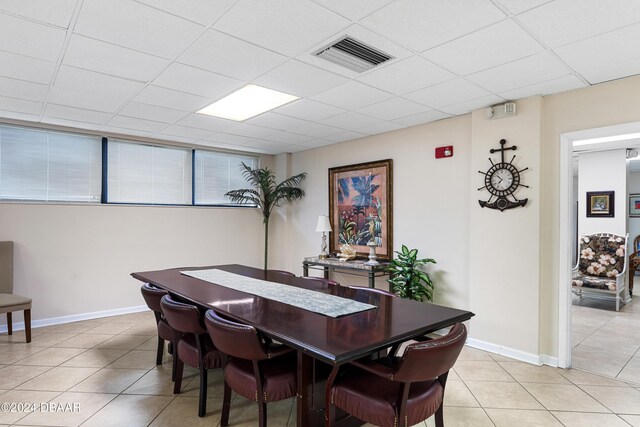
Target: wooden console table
(350,267)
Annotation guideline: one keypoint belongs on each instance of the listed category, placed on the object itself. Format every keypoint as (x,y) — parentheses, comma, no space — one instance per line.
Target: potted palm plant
(267,194)
(406,279)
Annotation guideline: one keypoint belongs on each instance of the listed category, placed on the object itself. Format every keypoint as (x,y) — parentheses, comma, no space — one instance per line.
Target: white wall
(73,259)
(603,171)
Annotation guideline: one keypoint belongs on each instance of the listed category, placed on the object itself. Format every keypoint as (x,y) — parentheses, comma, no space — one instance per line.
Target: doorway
(597,325)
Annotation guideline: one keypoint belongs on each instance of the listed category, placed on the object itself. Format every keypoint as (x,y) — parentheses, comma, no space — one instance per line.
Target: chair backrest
(182,317)
(373,290)
(602,254)
(235,339)
(430,359)
(322,280)
(6,267)
(283,272)
(152,296)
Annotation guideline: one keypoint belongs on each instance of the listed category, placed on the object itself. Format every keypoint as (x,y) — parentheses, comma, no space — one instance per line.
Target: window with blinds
(42,165)
(140,173)
(216,173)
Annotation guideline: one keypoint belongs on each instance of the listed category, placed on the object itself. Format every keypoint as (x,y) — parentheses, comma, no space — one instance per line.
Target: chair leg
(439,416)
(27,324)
(226,406)
(160,351)
(9,323)
(179,368)
(174,366)
(202,405)
(262,414)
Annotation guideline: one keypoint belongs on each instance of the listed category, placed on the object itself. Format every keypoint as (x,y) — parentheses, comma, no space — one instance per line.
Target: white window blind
(49,166)
(140,173)
(217,173)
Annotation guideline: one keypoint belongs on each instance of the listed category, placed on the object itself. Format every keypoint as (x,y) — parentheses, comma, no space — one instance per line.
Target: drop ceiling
(143,68)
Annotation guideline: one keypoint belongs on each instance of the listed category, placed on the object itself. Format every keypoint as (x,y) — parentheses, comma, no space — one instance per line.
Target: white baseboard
(523,356)
(76,317)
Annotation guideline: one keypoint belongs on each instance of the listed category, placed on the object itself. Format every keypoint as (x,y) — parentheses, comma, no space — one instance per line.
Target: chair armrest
(386,369)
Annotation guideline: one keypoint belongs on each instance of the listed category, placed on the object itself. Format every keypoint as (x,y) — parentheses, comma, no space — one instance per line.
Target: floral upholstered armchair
(602,263)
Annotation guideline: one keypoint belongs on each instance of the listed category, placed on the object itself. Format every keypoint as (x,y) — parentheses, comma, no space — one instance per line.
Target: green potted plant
(406,279)
(267,194)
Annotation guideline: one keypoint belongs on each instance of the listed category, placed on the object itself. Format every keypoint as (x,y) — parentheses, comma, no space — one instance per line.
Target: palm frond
(245,196)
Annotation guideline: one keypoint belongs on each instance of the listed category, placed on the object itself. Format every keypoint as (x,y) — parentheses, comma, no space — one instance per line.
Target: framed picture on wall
(361,207)
(600,204)
(634,205)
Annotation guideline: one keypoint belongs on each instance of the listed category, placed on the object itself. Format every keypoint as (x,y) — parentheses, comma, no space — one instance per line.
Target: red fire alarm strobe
(444,151)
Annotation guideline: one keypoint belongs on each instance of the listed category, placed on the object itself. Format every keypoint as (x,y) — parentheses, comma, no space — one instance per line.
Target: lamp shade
(323,223)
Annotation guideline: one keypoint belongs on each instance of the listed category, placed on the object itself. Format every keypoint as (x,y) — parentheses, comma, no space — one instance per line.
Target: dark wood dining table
(322,342)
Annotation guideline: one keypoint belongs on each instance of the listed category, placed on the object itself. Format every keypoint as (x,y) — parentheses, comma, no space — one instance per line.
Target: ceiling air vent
(352,54)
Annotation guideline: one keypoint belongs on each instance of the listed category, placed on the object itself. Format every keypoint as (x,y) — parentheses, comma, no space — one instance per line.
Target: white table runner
(318,302)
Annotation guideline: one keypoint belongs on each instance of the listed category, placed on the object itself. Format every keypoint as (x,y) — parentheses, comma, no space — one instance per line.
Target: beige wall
(73,259)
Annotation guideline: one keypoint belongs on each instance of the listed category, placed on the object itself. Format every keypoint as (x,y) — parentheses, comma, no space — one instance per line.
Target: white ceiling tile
(175,138)
(177,130)
(317,130)
(203,121)
(288,138)
(426,117)
(352,95)
(137,124)
(345,136)
(393,108)
(227,138)
(204,12)
(30,39)
(136,26)
(20,105)
(605,49)
(85,89)
(407,75)
(567,21)
(300,79)
(293,25)
(214,144)
(168,98)
(196,81)
(524,72)
(354,9)
(422,24)
(55,12)
(613,71)
(107,58)
(75,114)
(315,143)
(291,148)
(229,56)
(19,116)
(21,89)
(276,121)
(25,68)
(380,127)
(495,45)
(447,93)
(250,131)
(124,132)
(309,110)
(474,104)
(562,84)
(350,120)
(97,129)
(152,112)
(519,6)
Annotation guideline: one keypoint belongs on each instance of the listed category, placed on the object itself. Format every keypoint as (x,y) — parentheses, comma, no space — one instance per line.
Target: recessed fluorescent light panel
(606,139)
(247,102)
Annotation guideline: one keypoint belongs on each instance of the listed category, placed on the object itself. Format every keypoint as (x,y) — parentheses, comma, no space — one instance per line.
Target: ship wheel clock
(501,181)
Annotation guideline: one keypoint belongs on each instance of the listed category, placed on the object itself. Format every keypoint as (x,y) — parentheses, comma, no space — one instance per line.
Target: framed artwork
(361,207)
(634,205)
(600,204)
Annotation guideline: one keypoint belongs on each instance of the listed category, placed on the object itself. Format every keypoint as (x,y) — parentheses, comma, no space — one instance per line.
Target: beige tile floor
(107,367)
(604,341)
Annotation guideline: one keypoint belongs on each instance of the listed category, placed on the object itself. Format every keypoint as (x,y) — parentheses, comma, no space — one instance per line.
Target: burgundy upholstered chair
(373,290)
(194,347)
(398,391)
(152,297)
(326,282)
(257,369)
(283,272)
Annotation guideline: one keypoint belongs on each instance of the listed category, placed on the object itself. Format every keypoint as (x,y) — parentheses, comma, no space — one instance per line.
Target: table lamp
(324,225)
